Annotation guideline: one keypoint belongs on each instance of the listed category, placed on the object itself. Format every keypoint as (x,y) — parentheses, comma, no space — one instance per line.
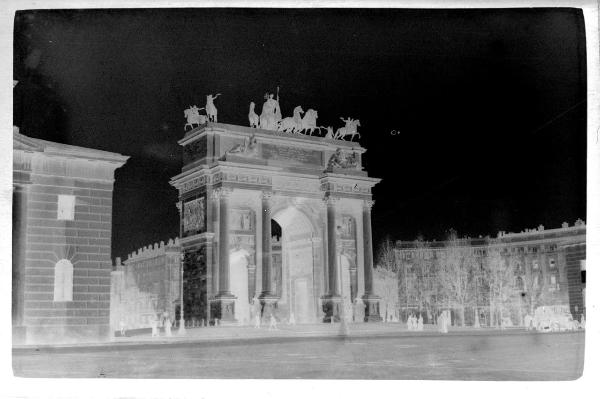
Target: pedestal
(372,308)
(268,305)
(332,307)
(223,308)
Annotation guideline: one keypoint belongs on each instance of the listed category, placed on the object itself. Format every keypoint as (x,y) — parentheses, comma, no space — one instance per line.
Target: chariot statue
(211,110)
(193,117)
(309,122)
(291,124)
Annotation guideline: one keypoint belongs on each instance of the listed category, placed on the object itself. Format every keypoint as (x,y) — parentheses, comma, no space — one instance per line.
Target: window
(66,207)
(63,281)
(552,263)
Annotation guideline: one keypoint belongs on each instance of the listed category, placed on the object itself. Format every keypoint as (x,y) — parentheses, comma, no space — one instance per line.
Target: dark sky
(490,104)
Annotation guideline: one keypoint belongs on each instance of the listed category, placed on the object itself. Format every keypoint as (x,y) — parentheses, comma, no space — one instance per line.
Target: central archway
(298,290)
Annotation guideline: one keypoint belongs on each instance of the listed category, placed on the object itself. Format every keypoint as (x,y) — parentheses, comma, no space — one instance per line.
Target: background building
(62,221)
(487,280)
(145,286)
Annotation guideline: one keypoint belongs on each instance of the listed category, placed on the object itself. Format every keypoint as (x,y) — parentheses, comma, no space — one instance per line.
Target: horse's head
(357,122)
(298,110)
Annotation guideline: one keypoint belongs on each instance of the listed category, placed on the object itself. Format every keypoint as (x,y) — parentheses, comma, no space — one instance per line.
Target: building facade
(62,220)
(145,286)
(545,267)
(236,185)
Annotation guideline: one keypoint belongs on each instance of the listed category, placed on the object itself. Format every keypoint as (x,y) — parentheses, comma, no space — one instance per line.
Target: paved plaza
(460,355)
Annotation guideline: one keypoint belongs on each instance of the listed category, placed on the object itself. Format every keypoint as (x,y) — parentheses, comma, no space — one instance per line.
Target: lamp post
(181,319)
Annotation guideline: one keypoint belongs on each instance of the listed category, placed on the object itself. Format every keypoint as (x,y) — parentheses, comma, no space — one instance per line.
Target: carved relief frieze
(194,216)
(349,188)
(287,183)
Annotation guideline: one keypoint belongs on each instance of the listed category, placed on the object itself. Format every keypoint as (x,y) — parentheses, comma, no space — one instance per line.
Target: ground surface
(462,355)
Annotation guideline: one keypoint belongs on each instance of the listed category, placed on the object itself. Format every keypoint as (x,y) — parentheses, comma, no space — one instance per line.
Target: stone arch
(238,263)
(299,291)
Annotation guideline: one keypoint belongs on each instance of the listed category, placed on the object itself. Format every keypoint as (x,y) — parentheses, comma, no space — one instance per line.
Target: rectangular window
(552,263)
(66,207)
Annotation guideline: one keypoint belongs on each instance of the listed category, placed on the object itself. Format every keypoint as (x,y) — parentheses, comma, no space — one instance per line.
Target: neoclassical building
(62,222)
(237,186)
(548,269)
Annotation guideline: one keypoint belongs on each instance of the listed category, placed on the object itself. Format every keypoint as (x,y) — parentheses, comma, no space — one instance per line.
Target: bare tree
(501,282)
(454,275)
(386,256)
(386,286)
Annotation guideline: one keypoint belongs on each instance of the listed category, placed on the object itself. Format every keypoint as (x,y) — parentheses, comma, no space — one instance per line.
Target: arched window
(63,281)
(520,285)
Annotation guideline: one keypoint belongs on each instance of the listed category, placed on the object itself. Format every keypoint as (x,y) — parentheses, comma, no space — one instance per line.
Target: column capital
(221,192)
(178,205)
(266,195)
(329,200)
(368,204)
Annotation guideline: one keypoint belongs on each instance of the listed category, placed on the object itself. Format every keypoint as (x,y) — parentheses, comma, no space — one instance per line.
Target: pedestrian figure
(168,325)
(122,328)
(154,325)
(256,320)
(292,320)
(272,323)
(420,323)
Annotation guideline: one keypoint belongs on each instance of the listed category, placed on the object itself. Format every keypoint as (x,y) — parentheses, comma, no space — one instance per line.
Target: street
(466,355)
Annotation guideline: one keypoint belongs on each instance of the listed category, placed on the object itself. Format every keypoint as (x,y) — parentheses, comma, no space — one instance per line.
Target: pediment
(21,142)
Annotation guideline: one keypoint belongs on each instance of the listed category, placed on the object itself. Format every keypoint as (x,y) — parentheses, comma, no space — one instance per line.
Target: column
(331,300)
(224,243)
(267,299)
(370,299)
(223,306)
(19,245)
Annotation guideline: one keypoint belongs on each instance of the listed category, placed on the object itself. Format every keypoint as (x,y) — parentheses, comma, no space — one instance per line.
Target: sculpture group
(193,116)
(271,118)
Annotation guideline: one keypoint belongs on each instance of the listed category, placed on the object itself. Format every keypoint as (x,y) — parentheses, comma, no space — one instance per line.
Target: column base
(222,307)
(332,307)
(372,314)
(268,307)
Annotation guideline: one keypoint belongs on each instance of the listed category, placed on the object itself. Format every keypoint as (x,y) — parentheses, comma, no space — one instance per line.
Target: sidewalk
(283,331)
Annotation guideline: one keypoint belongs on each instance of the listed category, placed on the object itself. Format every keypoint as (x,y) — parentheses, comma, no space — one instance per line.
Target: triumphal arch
(237,186)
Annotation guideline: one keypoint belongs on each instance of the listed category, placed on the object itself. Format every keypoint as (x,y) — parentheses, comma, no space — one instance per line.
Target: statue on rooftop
(193,117)
(252,116)
(291,124)
(271,113)
(309,122)
(351,129)
(211,110)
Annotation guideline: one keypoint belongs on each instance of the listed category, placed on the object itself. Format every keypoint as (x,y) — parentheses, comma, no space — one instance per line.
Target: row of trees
(468,280)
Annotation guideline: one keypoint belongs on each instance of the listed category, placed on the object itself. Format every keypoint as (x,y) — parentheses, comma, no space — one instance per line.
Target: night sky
(490,105)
